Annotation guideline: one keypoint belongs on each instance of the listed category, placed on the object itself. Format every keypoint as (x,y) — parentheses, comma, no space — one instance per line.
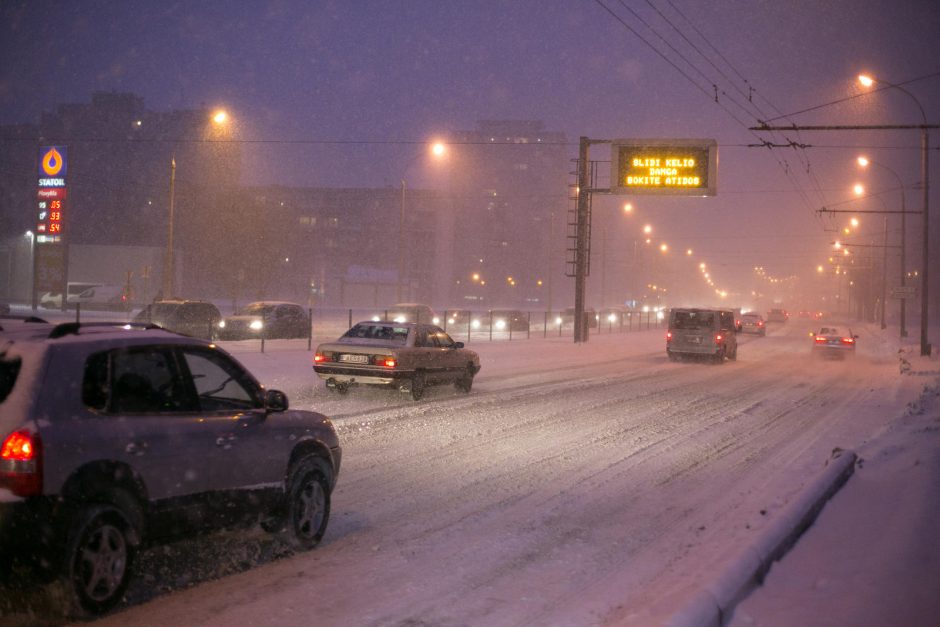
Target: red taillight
(319,358)
(21,463)
(848,340)
(386,361)
(718,339)
(668,336)
(821,339)
(760,323)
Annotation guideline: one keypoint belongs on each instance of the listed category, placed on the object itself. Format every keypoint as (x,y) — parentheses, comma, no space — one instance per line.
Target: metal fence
(491,325)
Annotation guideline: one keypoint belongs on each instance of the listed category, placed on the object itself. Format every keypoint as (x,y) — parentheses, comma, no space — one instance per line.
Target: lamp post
(218,118)
(868,81)
(168,256)
(32,269)
(864,162)
(438,150)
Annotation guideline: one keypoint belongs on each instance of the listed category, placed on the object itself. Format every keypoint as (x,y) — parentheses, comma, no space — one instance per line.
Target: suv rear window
(693,320)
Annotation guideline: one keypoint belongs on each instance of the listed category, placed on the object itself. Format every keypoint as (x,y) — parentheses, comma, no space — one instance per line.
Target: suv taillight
(21,463)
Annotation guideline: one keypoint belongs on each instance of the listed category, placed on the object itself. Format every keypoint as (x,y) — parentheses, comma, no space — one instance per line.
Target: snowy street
(576,484)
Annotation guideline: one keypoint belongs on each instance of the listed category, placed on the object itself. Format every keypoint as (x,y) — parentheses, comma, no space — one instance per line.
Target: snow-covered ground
(590,484)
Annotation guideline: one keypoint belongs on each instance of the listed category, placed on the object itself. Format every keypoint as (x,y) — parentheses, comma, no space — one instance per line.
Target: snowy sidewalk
(872,557)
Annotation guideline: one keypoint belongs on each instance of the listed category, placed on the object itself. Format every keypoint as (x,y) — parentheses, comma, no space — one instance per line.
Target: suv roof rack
(73,328)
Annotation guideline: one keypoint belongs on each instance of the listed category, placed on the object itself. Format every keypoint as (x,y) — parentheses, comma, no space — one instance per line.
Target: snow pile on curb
(714,603)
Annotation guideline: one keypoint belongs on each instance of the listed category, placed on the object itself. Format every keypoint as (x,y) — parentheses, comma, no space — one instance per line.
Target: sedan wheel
(308,503)
(418,384)
(100,554)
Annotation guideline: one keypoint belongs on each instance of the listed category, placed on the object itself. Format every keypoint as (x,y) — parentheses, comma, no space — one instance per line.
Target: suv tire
(465,382)
(308,503)
(100,555)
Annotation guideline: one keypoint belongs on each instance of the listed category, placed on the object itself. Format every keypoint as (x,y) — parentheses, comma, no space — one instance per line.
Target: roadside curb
(714,602)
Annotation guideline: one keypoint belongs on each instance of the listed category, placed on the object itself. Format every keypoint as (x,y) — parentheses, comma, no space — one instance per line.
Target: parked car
(834,343)
(777,315)
(409,312)
(752,323)
(195,318)
(116,436)
(406,355)
(701,333)
(268,319)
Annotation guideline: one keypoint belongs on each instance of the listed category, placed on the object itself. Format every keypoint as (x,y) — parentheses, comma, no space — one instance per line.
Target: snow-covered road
(577,484)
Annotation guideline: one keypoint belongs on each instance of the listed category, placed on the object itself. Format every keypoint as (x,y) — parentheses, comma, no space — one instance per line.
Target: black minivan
(194,318)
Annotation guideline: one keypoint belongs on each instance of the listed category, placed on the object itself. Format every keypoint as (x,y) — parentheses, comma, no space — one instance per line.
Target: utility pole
(581,252)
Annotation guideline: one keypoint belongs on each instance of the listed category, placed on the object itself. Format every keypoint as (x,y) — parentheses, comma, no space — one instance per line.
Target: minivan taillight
(21,463)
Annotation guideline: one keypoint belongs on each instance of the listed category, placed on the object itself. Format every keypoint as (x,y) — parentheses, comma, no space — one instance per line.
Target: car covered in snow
(114,436)
(834,343)
(405,355)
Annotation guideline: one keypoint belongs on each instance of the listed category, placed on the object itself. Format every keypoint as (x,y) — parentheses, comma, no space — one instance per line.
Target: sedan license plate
(695,340)
(354,359)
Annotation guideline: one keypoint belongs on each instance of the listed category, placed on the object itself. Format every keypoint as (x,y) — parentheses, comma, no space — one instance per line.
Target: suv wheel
(100,554)
(465,382)
(308,503)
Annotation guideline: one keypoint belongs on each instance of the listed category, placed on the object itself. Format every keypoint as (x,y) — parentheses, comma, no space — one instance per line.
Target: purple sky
(401,71)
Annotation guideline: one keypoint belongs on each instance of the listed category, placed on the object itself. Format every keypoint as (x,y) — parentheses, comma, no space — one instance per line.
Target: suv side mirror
(275,400)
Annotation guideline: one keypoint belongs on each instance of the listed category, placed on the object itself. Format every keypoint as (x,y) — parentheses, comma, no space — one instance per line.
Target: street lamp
(438,150)
(219,118)
(865,162)
(32,268)
(868,81)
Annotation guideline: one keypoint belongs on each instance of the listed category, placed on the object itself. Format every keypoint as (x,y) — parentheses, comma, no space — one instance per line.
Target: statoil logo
(53,161)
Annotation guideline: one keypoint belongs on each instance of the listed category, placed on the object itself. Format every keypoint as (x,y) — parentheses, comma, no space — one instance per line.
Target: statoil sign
(51,194)
(679,167)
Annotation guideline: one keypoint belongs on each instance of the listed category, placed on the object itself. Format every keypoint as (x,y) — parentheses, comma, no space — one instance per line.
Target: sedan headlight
(500,325)
(256,325)
(221,324)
